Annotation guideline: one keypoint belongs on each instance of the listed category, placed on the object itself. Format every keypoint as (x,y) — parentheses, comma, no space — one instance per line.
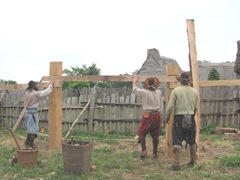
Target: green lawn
(116,156)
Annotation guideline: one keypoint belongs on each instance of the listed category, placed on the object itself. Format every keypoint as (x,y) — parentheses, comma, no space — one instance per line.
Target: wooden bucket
(27,157)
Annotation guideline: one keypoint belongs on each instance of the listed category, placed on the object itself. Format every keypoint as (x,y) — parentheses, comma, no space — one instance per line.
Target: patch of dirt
(209,150)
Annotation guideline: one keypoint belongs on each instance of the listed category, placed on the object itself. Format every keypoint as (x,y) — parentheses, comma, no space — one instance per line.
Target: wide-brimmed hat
(151,83)
(31,84)
(184,78)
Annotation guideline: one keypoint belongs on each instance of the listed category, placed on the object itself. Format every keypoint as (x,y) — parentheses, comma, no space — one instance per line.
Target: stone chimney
(154,53)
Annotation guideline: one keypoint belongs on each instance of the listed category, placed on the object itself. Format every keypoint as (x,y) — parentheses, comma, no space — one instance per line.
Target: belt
(31,108)
(152,112)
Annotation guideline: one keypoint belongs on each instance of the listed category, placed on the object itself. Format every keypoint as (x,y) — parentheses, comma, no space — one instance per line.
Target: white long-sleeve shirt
(150,100)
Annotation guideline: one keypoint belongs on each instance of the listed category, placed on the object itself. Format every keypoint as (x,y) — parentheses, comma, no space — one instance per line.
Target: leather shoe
(154,156)
(175,167)
(144,154)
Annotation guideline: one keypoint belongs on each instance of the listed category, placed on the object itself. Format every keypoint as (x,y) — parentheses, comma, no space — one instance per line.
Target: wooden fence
(118,109)
(115,109)
(220,106)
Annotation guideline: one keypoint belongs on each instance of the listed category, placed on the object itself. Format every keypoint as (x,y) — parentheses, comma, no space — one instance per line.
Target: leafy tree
(121,84)
(90,70)
(76,71)
(214,74)
(7,82)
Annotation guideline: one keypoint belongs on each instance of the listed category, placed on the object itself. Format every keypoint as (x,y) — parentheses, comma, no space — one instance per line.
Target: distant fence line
(118,109)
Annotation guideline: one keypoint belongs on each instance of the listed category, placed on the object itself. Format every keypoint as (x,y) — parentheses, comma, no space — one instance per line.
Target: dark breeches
(179,134)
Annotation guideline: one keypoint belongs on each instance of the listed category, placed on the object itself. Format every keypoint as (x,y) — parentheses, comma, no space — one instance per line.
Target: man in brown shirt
(31,103)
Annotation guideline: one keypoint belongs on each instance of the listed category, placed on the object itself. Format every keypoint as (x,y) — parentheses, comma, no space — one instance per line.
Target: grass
(118,159)
(230,161)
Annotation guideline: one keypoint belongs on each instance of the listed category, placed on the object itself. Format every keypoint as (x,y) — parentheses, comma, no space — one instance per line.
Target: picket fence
(118,109)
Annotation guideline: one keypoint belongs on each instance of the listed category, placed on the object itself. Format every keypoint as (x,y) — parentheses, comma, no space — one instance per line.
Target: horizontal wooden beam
(120,78)
(219,83)
(22,86)
(211,83)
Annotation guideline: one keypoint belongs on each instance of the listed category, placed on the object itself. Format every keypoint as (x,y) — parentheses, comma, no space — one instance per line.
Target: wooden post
(194,68)
(91,110)
(55,109)
(171,70)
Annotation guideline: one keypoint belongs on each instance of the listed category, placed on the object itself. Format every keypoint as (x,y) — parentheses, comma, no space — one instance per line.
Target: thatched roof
(155,64)
(225,69)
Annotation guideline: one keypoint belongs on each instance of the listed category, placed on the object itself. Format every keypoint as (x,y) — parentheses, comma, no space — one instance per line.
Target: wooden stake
(171,70)
(55,110)
(194,68)
(80,115)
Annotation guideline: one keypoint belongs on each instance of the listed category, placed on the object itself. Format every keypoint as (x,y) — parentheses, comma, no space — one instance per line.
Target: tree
(123,84)
(7,82)
(90,70)
(76,71)
(214,74)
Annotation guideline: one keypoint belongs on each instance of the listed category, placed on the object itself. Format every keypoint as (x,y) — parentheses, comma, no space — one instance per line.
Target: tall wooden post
(194,68)
(171,70)
(55,109)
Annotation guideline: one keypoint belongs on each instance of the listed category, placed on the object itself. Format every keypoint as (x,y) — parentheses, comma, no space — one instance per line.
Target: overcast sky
(113,34)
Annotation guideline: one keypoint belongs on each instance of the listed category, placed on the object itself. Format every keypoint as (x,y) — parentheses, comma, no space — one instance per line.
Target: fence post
(171,70)
(55,109)
(91,110)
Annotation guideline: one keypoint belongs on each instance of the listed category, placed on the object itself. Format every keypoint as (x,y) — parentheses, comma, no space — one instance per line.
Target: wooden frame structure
(55,98)
(55,126)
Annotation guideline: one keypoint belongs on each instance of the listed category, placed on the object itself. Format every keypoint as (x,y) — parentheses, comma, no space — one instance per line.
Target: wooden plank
(55,110)
(219,83)
(120,78)
(91,110)
(206,105)
(22,86)
(235,119)
(211,107)
(225,120)
(219,110)
(124,78)
(194,69)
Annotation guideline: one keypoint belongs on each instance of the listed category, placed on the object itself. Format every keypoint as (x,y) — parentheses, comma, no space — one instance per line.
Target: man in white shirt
(151,119)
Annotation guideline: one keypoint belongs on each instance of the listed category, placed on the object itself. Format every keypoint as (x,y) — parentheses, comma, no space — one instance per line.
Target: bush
(214,74)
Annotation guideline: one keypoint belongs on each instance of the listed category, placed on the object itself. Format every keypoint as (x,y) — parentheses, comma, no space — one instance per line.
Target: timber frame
(172,70)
